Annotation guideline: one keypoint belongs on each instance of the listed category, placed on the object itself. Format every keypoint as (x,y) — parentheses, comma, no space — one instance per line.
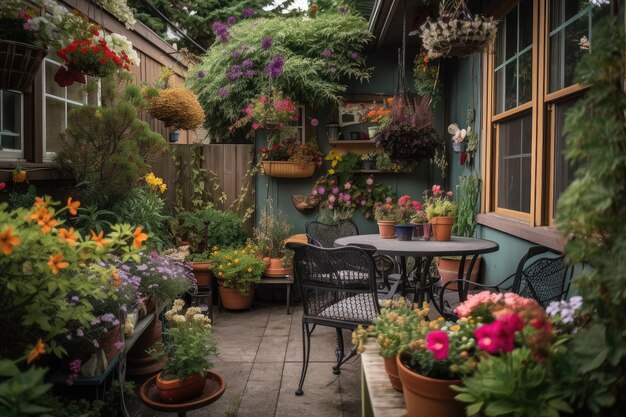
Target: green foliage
(238,268)
(90,217)
(468,204)
(591,215)
(272,232)
(346,166)
(306,75)
(22,200)
(106,148)
(441,209)
(21,392)
(67,407)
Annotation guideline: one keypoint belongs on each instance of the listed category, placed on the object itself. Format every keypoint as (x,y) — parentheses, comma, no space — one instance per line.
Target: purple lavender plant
(221,31)
(275,68)
(326,53)
(231,20)
(266,43)
(248,12)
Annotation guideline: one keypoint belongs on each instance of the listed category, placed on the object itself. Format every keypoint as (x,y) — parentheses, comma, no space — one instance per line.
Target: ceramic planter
(275,268)
(422,231)
(176,391)
(405,231)
(286,169)
(442,228)
(233,300)
(387,229)
(202,271)
(391,367)
(174,136)
(448,269)
(430,397)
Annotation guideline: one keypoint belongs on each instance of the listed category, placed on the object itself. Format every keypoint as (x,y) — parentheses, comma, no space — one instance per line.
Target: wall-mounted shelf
(352,142)
(378,171)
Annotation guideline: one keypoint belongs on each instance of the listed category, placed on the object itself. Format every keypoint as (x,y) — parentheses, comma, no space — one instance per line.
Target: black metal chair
(544,279)
(338,288)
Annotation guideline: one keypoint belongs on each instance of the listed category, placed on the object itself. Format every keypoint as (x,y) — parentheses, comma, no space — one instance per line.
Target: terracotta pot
(140,366)
(430,397)
(202,271)
(275,268)
(387,229)
(391,367)
(286,169)
(449,270)
(176,391)
(108,344)
(442,228)
(233,300)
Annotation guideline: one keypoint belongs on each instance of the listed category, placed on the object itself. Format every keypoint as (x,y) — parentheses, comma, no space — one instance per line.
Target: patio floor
(261,359)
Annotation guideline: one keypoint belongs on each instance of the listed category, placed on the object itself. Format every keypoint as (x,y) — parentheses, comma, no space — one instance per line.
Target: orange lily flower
(138,237)
(47,223)
(56,263)
(40,202)
(72,206)
(116,279)
(8,240)
(99,238)
(39,215)
(37,350)
(68,236)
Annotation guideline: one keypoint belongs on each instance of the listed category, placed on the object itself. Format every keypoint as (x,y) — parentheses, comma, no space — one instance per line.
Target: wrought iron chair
(338,288)
(324,235)
(544,279)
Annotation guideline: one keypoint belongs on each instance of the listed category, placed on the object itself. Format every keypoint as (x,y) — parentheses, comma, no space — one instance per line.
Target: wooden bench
(378,398)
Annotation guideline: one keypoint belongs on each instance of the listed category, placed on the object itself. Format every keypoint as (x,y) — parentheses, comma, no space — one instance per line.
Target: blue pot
(174,136)
(404,231)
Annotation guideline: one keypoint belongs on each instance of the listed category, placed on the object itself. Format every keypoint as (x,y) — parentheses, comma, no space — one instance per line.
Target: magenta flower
(335,190)
(388,200)
(231,20)
(248,12)
(326,53)
(438,343)
(486,339)
(266,43)
(417,205)
(314,122)
(369,181)
(321,190)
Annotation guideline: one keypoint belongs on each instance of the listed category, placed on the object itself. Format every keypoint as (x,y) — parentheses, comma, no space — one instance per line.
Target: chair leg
(306,353)
(340,352)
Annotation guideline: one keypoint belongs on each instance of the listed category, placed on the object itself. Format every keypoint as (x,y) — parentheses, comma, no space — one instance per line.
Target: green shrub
(209,227)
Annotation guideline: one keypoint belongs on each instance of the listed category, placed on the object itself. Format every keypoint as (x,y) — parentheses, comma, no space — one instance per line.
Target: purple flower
(231,20)
(223,92)
(335,190)
(275,68)
(343,9)
(236,53)
(248,12)
(326,53)
(234,72)
(247,63)
(75,299)
(250,73)
(119,345)
(314,122)
(221,31)
(200,74)
(355,56)
(75,366)
(321,190)
(266,43)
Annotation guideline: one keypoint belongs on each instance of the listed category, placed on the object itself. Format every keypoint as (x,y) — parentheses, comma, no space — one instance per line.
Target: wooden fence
(227,164)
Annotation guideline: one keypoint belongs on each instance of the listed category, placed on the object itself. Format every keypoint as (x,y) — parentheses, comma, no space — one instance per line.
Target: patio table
(423,251)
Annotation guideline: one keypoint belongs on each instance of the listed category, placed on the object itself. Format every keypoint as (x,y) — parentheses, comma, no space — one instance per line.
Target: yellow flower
(249,269)
(220,274)
(229,264)
(331,171)
(215,248)
(221,266)
(455,328)
(236,260)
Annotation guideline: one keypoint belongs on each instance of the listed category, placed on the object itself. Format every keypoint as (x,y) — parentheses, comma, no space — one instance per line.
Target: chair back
(324,235)
(337,285)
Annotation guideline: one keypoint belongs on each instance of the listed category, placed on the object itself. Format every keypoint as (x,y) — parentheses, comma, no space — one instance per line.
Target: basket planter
(286,169)
(457,36)
(19,63)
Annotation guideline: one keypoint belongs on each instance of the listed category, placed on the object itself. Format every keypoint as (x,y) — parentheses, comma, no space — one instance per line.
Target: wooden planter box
(284,169)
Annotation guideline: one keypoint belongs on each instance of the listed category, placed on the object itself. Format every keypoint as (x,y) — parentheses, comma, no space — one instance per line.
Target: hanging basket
(286,169)
(19,63)
(452,36)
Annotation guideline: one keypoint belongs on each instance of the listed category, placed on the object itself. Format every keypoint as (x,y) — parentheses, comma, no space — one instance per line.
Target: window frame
(13,154)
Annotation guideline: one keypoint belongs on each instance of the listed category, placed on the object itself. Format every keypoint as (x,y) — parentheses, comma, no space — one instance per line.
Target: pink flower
(335,190)
(363,202)
(404,200)
(255,126)
(314,192)
(314,122)
(369,181)
(388,200)
(436,188)
(449,193)
(486,340)
(347,186)
(330,206)
(331,198)
(2,185)
(263,100)
(438,343)
(417,205)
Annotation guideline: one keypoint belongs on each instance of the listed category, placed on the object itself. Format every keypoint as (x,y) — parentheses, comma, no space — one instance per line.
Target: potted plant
(422,229)
(237,270)
(441,212)
(290,159)
(368,160)
(270,238)
(386,215)
(176,107)
(406,209)
(188,349)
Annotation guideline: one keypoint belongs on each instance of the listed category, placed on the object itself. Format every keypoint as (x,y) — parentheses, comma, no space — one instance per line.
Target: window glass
(563,171)
(514,163)
(10,121)
(55,123)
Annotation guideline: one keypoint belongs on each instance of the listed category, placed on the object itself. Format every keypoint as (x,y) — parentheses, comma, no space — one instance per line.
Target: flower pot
(430,397)
(108,344)
(140,366)
(20,64)
(457,147)
(233,300)
(449,270)
(405,231)
(387,229)
(391,367)
(442,228)
(422,231)
(286,169)
(203,274)
(368,165)
(275,268)
(176,391)
(174,136)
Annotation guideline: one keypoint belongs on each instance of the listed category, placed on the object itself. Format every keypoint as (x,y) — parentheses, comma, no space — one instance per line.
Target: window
(529,89)
(58,103)
(11,125)
(300,124)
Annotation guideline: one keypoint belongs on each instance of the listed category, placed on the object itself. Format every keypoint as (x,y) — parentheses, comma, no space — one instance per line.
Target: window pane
(11,126)
(511,33)
(514,164)
(510,87)
(563,171)
(51,86)
(55,123)
(525,84)
(525,24)
(76,92)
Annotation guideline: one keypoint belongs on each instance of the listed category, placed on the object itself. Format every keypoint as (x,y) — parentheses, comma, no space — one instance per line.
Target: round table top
(214,387)
(457,246)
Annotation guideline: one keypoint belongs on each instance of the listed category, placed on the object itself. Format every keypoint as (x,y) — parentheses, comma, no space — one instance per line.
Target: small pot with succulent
(270,238)
(441,211)
(188,351)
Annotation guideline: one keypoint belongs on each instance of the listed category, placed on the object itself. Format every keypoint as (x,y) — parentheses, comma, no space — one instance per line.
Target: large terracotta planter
(387,229)
(442,228)
(391,367)
(448,269)
(19,63)
(108,345)
(202,271)
(233,300)
(285,169)
(430,397)
(140,366)
(275,268)
(176,391)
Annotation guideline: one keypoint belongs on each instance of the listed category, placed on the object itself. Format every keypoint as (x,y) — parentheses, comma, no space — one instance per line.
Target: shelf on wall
(352,142)
(378,171)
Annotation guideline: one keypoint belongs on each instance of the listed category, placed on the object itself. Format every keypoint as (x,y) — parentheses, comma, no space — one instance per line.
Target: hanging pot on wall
(174,136)
(19,63)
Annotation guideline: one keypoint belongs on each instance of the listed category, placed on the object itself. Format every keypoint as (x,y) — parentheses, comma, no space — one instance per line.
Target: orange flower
(37,350)
(99,238)
(47,223)
(40,214)
(72,206)
(8,240)
(56,263)
(40,202)
(138,237)
(116,278)
(68,236)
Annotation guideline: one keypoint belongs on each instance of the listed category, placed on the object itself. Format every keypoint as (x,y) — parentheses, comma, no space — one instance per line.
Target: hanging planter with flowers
(456,32)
